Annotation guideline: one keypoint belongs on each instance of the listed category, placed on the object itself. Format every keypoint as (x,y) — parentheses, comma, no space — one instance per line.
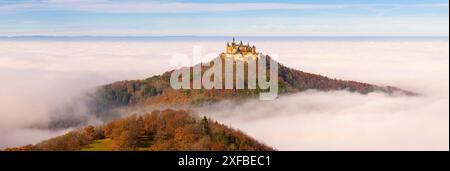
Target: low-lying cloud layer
(341,121)
(38,77)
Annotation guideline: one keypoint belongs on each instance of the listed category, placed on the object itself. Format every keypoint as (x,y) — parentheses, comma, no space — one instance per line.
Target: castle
(240,51)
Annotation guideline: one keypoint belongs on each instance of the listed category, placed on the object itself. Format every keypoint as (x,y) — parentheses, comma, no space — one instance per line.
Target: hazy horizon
(200,37)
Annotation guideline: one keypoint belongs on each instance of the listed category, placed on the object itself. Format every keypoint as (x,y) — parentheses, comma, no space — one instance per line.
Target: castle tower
(229,48)
(254,49)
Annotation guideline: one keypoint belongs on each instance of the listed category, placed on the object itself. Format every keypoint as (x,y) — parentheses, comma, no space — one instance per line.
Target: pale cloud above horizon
(179,7)
(199,17)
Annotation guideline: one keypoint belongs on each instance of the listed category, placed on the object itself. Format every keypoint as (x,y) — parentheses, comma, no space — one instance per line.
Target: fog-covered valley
(38,77)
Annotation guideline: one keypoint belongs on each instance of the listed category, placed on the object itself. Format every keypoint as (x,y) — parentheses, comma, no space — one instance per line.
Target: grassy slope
(105,144)
(99,145)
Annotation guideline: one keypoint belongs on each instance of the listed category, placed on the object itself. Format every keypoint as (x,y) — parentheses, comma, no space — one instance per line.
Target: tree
(108,130)
(90,132)
(149,91)
(204,126)
(202,144)
(150,122)
(127,140)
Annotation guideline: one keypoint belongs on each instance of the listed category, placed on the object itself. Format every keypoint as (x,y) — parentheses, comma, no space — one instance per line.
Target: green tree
(149,91)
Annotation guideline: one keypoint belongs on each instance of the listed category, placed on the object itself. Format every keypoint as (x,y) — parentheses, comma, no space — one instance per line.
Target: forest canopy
(166,130)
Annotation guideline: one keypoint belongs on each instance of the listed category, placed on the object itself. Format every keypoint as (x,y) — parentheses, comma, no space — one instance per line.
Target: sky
(224,18)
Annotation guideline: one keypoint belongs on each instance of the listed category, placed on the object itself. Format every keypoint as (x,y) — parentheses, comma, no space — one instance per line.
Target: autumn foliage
(165,130)
(156,90)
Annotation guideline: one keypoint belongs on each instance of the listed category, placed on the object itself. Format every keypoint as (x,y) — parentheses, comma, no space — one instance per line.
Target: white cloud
(341,121)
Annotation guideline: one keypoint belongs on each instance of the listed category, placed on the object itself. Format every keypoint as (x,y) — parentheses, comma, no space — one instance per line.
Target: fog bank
(38,77)
(341,121)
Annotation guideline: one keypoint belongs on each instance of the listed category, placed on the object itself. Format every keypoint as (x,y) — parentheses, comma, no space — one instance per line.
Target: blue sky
(224,18)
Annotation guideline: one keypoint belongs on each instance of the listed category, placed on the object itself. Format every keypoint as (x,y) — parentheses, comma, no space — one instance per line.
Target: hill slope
(157,90)
(159,130)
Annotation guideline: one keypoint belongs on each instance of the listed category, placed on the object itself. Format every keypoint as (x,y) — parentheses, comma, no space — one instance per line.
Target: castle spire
(233,39)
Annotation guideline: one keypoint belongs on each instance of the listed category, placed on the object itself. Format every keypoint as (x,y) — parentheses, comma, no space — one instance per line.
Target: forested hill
(157,89)
(176,130)
(165,130)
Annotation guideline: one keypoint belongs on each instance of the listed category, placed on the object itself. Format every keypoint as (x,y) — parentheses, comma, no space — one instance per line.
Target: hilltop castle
(240,51)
